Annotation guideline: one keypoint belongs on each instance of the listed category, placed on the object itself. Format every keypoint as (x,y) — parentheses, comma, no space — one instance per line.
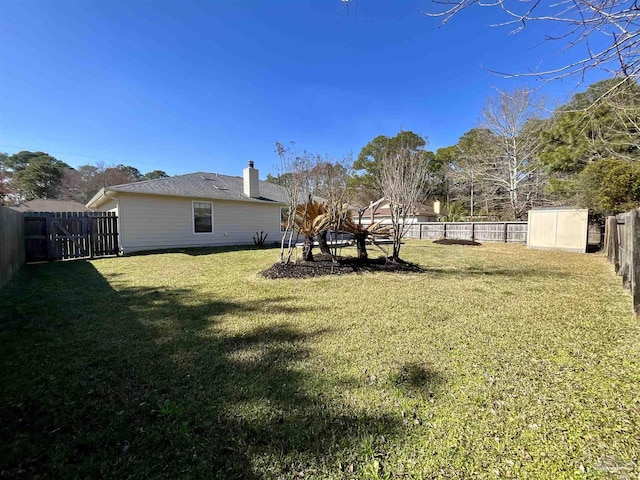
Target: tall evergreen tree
(36,174)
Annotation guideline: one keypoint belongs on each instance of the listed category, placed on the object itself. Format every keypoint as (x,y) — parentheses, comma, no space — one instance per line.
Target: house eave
(261,200)
(94,200)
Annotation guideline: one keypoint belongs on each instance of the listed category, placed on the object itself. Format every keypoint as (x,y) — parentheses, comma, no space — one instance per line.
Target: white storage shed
(562,228)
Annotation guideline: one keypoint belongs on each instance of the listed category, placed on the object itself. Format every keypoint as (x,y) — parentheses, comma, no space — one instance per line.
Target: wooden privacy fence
(622,244)
(66,235)
(11,243)
(515,232)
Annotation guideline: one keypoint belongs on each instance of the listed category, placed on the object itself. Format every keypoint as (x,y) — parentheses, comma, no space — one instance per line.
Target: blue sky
(186,86)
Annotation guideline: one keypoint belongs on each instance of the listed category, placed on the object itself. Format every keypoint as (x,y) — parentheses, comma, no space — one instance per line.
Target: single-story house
(381,212)
(194,210)
(48,205)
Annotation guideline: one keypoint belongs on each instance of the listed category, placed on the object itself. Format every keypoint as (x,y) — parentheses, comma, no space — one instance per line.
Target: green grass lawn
(497,362)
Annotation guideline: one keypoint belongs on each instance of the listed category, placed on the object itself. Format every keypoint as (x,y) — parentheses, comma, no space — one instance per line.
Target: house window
(284,211)
(202,217)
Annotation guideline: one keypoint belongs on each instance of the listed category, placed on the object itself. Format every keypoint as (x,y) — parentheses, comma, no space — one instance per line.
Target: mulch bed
(455,241)
(325,265)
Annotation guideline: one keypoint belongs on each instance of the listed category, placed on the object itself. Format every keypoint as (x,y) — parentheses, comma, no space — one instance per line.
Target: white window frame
(193,218)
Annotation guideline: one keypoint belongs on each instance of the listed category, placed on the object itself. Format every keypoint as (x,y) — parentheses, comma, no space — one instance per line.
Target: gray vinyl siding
(149,222)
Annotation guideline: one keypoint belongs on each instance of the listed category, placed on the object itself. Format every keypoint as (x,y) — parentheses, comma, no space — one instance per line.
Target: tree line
(583,154)
(27,175)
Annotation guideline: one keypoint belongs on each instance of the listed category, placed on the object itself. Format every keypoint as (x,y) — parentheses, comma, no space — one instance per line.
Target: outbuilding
(559,228)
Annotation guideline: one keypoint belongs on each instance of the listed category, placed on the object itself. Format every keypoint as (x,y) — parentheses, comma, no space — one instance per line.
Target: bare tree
(84,182)
(316,186)
(404,178)
(513,166)
(329,179)
(606,32)
(294,174)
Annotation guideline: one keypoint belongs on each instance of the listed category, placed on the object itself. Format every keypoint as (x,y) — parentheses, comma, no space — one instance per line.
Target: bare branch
(615,23)
(404,179)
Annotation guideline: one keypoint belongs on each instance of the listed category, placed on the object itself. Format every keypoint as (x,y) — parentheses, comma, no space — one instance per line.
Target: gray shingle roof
(205,185)
(48,205)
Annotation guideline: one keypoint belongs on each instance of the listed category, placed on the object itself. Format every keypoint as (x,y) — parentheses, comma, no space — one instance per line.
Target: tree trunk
(307,246)
(361,247)
(473,213)
(322,242)
(395,256)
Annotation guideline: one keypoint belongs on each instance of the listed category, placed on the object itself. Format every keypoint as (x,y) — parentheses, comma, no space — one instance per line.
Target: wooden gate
(67,235)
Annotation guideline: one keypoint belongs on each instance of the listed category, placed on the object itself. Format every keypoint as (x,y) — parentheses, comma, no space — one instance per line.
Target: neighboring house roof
(46,205)
(200,185)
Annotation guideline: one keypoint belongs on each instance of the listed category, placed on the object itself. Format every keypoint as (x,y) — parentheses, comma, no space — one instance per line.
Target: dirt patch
(325,265)
(455,241)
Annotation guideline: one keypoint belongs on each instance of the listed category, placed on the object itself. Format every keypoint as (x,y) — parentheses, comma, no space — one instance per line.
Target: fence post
(607,240)
(625,257)
(473,231)
(420,231)
(635,261)
(611,241)
(619,240)
(505,231)
(444,229)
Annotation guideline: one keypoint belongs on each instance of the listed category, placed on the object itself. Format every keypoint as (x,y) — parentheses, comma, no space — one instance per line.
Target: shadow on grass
(146,383)
(418,378)
(502,272)
(197,251)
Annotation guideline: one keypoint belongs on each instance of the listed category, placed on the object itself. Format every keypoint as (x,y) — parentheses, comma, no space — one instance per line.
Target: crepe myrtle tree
(311,181)
(293,174)
(405,179)
(329,177)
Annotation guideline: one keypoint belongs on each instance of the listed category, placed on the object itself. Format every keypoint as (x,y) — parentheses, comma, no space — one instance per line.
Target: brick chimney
(251,182)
